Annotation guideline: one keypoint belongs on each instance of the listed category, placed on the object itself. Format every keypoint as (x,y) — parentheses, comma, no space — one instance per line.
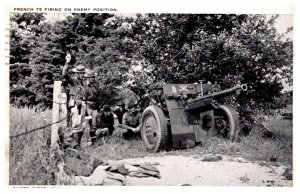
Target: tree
(24,30)
(94,40)
(19,74)
(24,27)
(176,48)
(222,49)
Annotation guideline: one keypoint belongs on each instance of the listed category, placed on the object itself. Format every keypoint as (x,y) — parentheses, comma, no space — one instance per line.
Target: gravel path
(180,170)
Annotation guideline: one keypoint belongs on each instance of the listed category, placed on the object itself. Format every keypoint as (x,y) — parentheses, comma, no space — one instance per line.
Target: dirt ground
(182,170)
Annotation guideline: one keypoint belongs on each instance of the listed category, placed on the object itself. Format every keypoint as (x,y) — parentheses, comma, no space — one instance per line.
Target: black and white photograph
(98,97)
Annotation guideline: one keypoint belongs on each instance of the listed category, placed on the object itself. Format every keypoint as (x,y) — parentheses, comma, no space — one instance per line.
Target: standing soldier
(91,95)
(77,106)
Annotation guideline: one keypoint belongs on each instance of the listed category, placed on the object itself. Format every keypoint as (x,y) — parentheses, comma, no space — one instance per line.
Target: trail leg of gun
(273,133)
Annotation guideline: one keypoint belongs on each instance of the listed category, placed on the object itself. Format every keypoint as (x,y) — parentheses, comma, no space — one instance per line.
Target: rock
(273,159)
(240,160)
(263,163)
(211,158)
(288,174)
(244,179)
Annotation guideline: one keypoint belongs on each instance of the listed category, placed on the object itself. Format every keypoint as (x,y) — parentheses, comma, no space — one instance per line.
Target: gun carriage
(181,116)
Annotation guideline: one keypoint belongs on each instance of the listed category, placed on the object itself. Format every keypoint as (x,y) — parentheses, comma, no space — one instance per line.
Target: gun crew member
(131,122)
(106,122)
(74,80)
(90,97)
(119,111)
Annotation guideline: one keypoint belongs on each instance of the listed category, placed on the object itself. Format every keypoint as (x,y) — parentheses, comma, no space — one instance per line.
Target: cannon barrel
(219,94)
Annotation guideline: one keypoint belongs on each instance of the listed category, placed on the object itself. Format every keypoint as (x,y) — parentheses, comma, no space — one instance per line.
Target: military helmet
(89,74)
(79,69)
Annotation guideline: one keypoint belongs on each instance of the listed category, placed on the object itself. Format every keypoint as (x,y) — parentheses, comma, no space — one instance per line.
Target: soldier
(91,94)
(106,121)
(119,111)
(131,122)
(75,104)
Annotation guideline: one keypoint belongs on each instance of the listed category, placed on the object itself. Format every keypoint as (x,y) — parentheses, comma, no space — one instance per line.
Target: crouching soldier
(131,122)
(119,111)
(106,122)
(74,80)
(90,97)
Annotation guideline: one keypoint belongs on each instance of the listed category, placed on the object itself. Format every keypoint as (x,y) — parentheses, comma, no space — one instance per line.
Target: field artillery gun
(181,116)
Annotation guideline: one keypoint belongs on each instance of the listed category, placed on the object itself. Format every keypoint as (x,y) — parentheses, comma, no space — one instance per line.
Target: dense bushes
(175,48)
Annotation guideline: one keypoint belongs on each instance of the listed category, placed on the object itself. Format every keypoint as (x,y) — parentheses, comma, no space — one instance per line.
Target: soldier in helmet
(74,80)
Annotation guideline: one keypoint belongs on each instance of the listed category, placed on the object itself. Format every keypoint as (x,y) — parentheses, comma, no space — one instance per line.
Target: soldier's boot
(80,134)
(77,138)
(93,140)
(93,135)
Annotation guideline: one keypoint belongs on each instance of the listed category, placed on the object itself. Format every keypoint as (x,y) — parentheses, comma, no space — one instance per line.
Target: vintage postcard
(174,94)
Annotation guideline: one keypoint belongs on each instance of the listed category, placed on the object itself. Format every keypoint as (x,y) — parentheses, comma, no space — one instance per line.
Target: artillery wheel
(154,129)
(227,122)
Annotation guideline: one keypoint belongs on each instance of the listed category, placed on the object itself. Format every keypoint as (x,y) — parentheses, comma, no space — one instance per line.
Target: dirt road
(180,170)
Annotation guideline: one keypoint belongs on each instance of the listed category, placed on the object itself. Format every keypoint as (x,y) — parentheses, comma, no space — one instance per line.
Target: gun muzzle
(244,87)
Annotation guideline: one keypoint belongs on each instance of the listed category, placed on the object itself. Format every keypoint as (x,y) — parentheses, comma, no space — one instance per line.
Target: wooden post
(55,112)
(63,111)
(59,112)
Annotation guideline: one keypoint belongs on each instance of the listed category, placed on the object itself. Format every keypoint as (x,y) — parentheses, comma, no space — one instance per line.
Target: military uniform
(90,97)
(120,111)
(75,103)
(132,120)
(106,121)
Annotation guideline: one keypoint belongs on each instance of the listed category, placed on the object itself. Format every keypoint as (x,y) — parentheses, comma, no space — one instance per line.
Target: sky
(283,22)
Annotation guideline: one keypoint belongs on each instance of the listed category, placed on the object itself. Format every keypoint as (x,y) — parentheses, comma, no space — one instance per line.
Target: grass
(29,154)
(256,148)
(253,147)
(271,149)
(115,148)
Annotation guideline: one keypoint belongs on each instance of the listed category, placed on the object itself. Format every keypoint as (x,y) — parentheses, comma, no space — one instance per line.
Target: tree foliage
(222,49)
(143,51)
